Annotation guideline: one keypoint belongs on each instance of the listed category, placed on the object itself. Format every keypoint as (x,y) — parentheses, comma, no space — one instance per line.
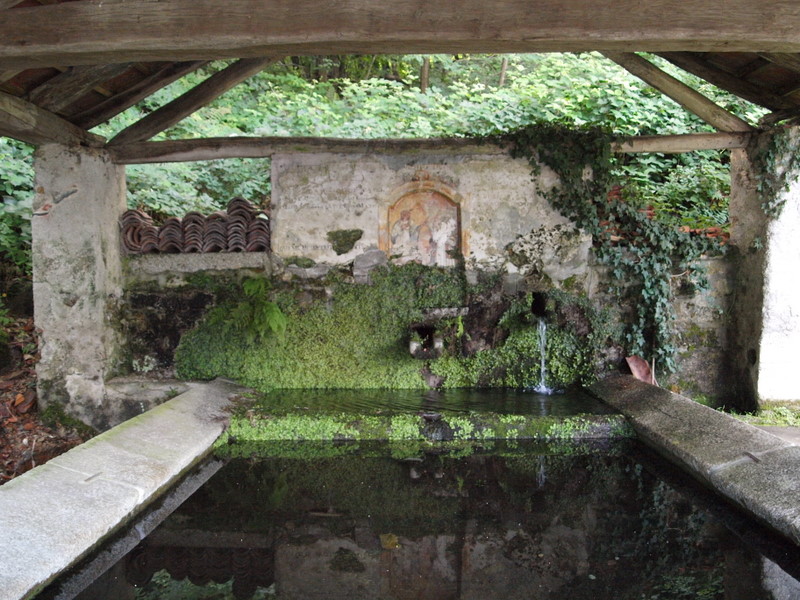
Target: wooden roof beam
(27,122)
(264,147)
(722,79)
(691,100)
(145,30)
(116,104)
(65,88)
(196,98)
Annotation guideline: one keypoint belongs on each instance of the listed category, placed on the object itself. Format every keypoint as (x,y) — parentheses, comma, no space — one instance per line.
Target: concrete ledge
(55,514)
(753,468)
(155,267)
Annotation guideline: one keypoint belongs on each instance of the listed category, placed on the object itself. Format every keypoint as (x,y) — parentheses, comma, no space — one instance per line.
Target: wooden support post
(690,99)
(169,114)
(29,123)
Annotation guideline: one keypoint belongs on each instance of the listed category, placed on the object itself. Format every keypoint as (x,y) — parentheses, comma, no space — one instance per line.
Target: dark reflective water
(503,401)
(517,523)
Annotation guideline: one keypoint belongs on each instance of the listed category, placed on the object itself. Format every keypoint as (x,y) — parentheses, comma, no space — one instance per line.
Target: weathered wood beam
(134,94)
(29,123)
(264,147)
(172,112)
(676,144)
(150,30)
(65,88)
(4,4)
(727,81)
(691,100)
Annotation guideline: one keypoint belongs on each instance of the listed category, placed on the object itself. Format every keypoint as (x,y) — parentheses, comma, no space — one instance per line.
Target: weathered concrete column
(748,230)
(766,309)
(80,195)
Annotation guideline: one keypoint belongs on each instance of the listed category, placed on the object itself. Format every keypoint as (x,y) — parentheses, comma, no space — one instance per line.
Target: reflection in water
(514,524)
(502,401)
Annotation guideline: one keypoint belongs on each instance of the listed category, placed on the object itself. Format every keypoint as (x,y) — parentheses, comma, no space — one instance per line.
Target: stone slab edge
(54,515)
(753,468)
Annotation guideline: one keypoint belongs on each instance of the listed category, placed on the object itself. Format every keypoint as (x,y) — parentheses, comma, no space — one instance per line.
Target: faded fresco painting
(424,227)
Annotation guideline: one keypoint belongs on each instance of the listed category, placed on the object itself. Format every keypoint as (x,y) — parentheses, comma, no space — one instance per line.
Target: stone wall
(493,198)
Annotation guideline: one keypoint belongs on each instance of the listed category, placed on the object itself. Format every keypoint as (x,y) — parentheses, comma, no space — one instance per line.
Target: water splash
(541,387)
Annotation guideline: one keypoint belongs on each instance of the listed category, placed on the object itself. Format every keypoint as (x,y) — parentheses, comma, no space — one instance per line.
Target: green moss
(54,414)
(300,261)
(343,240)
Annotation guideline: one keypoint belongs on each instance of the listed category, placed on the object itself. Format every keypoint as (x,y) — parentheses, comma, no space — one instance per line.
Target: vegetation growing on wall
(776,162)
(343,335)
(643,253)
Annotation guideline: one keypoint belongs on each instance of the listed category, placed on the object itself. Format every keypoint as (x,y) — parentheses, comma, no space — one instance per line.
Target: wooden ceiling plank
(146,30)
(134,94)
(202,94)
(787,61)
(751,67)
(264,147)
(27,122)
(722,79)
(62,90)
(691,100)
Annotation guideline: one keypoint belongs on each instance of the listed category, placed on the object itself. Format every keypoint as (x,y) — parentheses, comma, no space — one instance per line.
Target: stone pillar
(748,230)
(77,276)
(765,320)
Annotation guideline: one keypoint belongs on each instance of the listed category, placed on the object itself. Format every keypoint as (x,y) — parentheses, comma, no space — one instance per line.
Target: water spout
(541,387)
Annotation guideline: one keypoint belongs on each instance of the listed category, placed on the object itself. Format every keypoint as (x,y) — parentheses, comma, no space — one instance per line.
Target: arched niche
(423,223)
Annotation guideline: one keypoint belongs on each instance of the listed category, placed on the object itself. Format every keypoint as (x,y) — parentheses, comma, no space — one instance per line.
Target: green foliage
(343,240)
(643,263)
(776,160)
(357,340)
(256,317)
(16,196)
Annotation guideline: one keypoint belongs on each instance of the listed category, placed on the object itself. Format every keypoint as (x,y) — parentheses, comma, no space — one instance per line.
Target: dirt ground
(26,438)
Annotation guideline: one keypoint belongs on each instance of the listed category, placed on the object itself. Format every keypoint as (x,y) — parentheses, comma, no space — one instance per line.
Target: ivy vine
(642,253)
(776,162)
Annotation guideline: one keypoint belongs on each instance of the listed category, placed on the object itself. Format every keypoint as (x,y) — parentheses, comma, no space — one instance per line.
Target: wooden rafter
(144,30)
(691,100)
(263,147)
(127,98)
(705,70)
(27,122)
(213,87)
(62,90)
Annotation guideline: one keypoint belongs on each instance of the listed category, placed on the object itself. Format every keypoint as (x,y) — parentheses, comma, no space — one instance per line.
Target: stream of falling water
(541,387)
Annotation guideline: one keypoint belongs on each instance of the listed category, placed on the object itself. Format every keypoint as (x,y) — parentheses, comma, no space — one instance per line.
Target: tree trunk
(425,75)
(503,71)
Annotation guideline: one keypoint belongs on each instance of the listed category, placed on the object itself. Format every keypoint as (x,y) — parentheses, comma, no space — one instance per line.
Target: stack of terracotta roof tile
(139,235)
(170,236)
(194,223)
(242,228)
